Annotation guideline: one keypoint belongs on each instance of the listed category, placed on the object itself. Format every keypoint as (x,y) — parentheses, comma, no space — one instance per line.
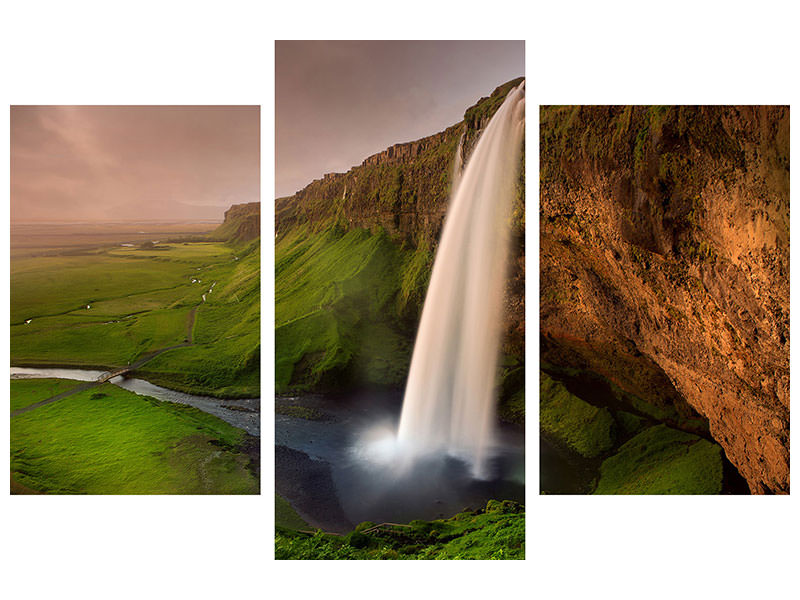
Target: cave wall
(664,257)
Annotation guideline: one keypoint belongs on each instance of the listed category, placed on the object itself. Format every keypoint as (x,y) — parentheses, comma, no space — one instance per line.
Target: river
(242,413)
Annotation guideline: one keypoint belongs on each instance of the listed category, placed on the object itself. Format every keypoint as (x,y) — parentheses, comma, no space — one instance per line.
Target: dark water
(242,413)
(350,435)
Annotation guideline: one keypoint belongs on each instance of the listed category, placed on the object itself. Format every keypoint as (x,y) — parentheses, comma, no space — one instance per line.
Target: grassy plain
(140,300)
(107,440)
(25,392)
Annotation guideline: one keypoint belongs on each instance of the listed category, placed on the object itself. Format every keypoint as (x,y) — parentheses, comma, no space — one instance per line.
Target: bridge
(111,374)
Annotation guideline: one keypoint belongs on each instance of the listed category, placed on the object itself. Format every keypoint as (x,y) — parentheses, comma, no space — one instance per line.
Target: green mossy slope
(286,516)
(338,299)
(661,460)
(583,428)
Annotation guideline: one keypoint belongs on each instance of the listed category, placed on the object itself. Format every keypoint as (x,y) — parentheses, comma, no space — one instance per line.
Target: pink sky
(130,163)
(337,102)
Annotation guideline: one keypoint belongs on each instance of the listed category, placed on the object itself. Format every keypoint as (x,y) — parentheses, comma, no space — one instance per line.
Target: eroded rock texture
(665,264)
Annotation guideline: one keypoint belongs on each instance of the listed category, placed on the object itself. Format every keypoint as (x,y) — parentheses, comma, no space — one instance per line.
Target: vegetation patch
(585,429)
(628,423)
(108,440)
(662,460)
(496,532)
(511,404)
(299,412)
(286,517)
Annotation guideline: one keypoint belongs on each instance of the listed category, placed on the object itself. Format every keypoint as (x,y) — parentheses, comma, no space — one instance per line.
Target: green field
(496,532)
(141,300)
(107,440)
(25,392)
(186,313)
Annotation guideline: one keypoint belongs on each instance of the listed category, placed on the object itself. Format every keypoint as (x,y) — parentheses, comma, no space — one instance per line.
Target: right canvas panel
(664,307)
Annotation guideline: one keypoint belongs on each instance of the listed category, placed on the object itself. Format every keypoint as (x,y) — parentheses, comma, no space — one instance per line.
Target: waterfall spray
(450,393)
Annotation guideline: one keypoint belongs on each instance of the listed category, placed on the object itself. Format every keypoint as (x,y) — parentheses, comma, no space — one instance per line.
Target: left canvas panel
(135,300)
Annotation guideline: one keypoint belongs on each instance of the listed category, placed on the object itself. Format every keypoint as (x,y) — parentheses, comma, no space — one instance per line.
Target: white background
(145,52)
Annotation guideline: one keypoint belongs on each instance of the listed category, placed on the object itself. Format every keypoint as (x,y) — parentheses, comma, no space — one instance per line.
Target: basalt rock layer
(664,260)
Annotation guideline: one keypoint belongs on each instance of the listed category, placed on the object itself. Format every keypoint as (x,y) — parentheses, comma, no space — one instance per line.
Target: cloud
(99,163)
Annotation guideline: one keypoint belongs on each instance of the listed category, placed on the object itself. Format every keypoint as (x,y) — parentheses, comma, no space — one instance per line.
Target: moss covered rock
(628,423)
(584,428)
(662,460)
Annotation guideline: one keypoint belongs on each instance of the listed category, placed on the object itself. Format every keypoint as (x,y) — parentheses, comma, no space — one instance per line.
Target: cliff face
(665,264)
(403,189)
(242,223)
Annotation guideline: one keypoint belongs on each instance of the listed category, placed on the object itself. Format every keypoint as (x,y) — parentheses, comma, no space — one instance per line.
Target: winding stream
(242,413)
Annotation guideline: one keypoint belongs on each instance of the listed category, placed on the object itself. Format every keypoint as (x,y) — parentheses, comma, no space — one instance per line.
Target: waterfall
(449,399)
(458,164)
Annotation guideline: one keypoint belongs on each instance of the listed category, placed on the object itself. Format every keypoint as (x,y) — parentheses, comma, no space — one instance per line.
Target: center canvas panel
(399,300)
